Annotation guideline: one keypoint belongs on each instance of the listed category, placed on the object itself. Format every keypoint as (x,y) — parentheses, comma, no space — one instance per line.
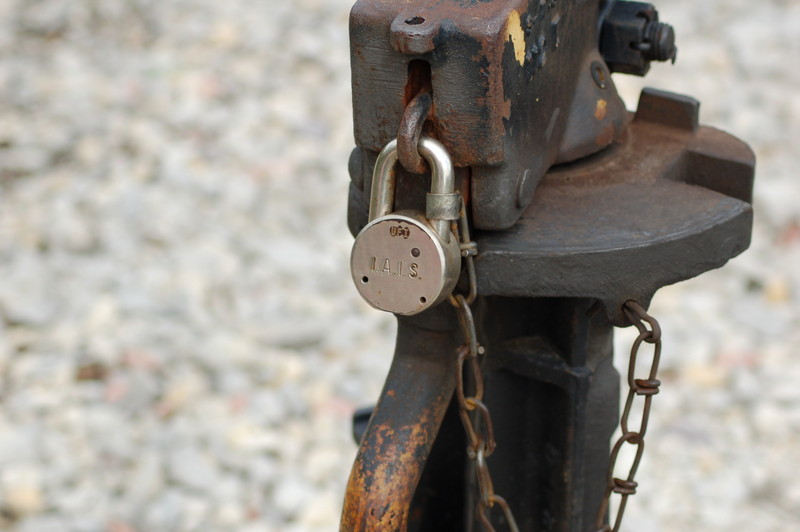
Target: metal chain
(645,388)
(481,443)
(474,414)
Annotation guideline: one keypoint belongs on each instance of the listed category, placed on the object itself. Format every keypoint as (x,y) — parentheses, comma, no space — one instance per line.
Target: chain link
(475,415)
(637,388)
(477,419)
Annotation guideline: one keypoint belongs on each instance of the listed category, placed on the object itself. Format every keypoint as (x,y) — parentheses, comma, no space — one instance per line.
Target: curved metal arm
(402,430)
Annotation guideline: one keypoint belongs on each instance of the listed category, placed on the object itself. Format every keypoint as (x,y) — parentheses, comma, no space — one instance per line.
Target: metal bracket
(496,68)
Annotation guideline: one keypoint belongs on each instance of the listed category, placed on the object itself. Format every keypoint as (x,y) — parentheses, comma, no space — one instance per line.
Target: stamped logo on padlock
(399,230)
(406,262)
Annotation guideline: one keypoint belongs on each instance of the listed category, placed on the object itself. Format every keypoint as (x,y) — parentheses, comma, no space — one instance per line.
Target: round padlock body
(400,265)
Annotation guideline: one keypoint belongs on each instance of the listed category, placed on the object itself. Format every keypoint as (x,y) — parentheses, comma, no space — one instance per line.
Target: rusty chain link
(475,415)
(645,388)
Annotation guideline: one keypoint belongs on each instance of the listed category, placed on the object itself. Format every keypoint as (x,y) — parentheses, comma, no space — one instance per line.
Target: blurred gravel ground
(180,346)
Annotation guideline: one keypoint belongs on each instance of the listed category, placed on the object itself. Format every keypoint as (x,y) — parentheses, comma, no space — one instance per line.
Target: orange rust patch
(600,109)
(606,136)
(506,109)
(382,483)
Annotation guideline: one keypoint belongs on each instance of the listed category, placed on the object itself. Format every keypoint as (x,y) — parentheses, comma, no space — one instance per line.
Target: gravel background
(180,346)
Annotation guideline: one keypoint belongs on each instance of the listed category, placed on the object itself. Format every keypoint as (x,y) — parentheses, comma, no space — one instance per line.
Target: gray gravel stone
(193,468)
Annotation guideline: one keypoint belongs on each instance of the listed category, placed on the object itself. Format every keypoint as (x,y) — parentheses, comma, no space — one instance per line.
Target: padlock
(406,262)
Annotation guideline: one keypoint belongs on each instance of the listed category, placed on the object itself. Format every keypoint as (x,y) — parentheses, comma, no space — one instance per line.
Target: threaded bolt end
(661,40)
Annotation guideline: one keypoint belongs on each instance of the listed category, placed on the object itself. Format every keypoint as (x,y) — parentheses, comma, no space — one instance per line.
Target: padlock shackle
(381,200)
(442,176)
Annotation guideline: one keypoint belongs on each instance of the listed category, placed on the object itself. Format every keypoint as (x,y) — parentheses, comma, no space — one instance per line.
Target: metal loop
(485,486)
(410,131)
(626,412)
(632,438)
(467,404)
(463,353)
(637,315)
(488,427)
(467,322)
(635,355)
(472,435)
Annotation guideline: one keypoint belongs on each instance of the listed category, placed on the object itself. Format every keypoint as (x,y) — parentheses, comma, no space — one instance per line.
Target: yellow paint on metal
(517,36)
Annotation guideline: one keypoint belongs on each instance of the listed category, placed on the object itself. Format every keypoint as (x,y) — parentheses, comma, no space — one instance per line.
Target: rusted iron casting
(667,201)
(496,69)
(578,206)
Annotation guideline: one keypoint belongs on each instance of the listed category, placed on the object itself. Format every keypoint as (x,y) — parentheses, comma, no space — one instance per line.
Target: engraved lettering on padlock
(410,271)
(406,262)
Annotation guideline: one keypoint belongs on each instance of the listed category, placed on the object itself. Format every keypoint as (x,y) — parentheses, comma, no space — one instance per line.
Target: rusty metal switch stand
(579,207)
